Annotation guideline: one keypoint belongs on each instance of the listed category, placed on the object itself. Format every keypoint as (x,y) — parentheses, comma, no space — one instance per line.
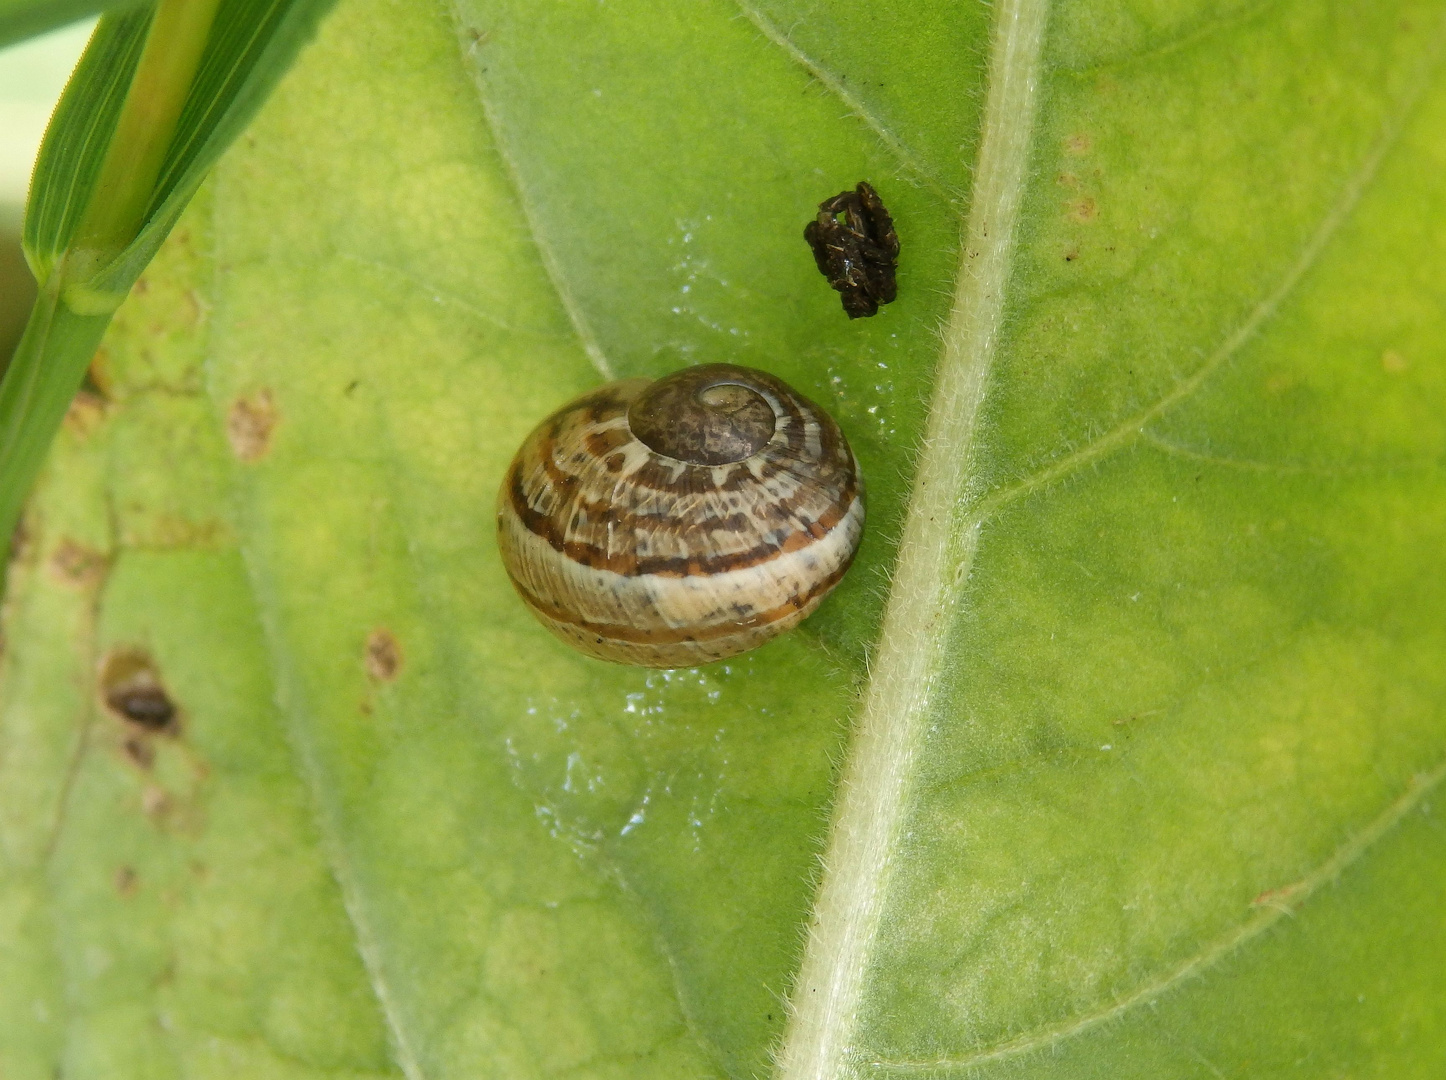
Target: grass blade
(156,98)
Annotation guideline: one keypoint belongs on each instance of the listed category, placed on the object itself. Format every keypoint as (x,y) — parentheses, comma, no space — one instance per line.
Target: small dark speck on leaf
(383,655)
(76,565)
(126,881)
(132,691)
(87,410)
(140,751)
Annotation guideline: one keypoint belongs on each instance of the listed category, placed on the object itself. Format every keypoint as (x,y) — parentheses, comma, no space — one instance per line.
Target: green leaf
(1117,755)
(151,881)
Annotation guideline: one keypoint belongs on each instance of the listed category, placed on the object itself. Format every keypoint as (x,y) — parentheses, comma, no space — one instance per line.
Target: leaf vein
(587,336)
(835,85)
(1286,903)
(1346,202)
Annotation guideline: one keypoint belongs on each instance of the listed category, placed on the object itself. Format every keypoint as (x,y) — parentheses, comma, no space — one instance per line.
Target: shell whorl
(676,522)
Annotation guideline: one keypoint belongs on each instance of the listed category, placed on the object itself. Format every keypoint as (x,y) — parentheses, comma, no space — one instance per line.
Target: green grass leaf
(1116,755)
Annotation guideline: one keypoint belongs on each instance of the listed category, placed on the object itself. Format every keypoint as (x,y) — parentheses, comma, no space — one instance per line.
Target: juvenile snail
(676,522)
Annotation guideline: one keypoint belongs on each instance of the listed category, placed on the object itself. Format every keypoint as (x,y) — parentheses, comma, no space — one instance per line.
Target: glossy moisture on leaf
(1166,780)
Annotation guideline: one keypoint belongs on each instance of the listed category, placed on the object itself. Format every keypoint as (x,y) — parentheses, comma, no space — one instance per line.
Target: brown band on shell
(674,635)
(628,563)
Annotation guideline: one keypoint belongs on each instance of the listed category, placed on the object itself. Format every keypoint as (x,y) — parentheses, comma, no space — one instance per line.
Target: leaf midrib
(1122,435)
(935,553)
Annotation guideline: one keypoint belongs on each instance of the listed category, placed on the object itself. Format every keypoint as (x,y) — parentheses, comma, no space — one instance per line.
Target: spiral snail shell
(676,522)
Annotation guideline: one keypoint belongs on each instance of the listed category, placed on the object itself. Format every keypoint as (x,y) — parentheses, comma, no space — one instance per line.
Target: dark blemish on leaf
(147,706)
(1077,144)
(76,565)
(132,690)
(1082,210)
(1282,897)
(155,802)
(476,39)
(856,249)
(139,750)
(22,539)
(351,387)
(383,655)
(97,375)
(86,411)
(1071,256)
(249,424)
(125,881)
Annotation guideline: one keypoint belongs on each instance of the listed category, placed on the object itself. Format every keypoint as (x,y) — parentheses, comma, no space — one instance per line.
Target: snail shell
(675,522)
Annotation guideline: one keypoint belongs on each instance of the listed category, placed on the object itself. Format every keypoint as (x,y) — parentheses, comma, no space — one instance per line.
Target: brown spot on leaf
(1078,143)
(76,565)
(155,802)
(139,750)
(1082,210)
(132,690)
(126,881)
(86,411)
(22,540)
(249,424)
(1283,897)
(383,655)
(1394,362)
(98,376)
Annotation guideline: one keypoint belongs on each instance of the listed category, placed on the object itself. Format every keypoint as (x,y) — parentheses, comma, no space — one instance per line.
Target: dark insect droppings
(147,706)
(856,248)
